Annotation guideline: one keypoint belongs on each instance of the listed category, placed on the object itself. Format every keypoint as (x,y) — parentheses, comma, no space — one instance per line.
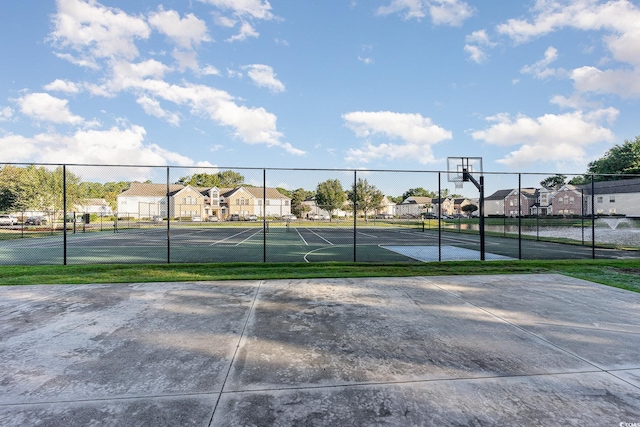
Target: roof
(257,192)
(93,202)
(499,195)
(610,187)
(160,190)
(150,189)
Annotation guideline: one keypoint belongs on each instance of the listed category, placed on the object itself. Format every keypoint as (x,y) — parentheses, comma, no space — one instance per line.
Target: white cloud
(616,19)
(442,12)
(540,69)
(186,32)
(152,107)
(256,9)
(62,86)
(224,21)
(98,35)
(102,32)
(186,60)
(5,113)
(550,138)
(251,125)
(44,107)
(624,82)
(418,134)
(113,146)
(476,42)
(263,76)
(246,31)
(449,12)
(476,54)
(208,70)
(366,60)
(17,148)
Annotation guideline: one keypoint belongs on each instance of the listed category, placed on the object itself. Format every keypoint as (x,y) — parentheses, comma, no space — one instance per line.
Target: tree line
(622,161)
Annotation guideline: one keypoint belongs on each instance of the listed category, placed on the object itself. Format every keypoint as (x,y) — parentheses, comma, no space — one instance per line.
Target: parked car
(384,216)
(251,218)
(196,219)
(8,220)
(289,217)
(234,217)
(35,220)
(212,218)
(313,217)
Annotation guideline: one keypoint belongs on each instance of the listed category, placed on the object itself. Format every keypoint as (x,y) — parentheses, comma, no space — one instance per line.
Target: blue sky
(530,86)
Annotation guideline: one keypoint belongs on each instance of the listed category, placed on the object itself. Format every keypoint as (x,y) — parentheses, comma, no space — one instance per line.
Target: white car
(8,220)
(290,217)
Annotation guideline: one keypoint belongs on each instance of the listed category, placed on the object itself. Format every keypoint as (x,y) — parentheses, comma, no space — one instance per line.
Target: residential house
(528,197)
(619,197)
(245,201)
(387,207)
(99,207)
(322,210)
(147,200)
(494,204)
(567,200)
(415,206)
(459,203)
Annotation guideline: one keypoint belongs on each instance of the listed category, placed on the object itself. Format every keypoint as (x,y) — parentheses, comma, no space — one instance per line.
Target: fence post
(439,216)
(64,214)
(593,218)
(168,218)
(264,215)
(519,216)
(355,212)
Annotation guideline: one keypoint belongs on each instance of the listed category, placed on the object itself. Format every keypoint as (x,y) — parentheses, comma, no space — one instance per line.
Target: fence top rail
(306,169)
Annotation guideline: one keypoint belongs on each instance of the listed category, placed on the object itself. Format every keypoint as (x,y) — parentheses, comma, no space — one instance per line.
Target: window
(599,199)
(286,203)
(268,202)
(612,199)
(560,200)
(238,202)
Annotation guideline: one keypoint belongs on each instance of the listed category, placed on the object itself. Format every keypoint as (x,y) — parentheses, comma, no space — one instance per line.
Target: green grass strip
(624,274)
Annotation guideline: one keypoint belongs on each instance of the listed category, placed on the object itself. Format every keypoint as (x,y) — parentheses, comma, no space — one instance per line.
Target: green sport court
(211,243)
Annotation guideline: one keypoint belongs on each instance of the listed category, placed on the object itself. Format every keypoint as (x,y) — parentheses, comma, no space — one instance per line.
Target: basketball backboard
(457,166)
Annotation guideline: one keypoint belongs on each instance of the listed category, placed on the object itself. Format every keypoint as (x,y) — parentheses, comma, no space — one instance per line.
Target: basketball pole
(466,176)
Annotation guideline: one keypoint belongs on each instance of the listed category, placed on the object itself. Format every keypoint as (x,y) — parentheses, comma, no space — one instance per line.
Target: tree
(417,192)
(223,179)
(297,197)
(554,181)
(619,160)
(330,195)
(469,209)
(365,196)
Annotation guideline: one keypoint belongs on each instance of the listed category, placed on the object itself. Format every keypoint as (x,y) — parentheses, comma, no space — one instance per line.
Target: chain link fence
(90,214)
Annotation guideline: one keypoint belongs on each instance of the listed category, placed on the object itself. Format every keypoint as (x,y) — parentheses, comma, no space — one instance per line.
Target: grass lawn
(623,274)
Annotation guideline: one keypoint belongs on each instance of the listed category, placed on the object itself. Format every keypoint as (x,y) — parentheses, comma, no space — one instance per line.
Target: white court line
(451,239)
(368,235)
(320,236)
(305,242)
(230,237)
(257,232)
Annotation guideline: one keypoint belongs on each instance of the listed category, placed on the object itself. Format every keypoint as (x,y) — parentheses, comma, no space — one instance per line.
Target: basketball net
(459,184)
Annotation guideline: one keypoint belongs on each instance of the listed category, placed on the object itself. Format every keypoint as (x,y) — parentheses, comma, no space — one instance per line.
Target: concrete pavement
(459,350)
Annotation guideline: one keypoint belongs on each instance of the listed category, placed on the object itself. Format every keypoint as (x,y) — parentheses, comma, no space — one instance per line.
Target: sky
(529,86)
